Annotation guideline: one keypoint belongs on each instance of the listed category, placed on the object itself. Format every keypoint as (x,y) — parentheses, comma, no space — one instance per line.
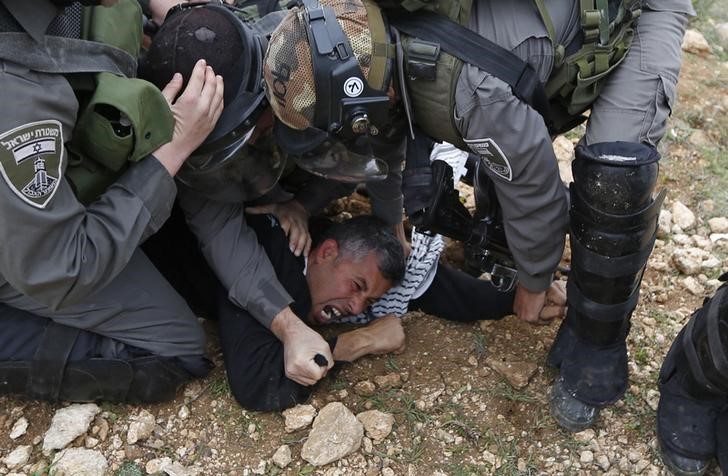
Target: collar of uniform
(34,17)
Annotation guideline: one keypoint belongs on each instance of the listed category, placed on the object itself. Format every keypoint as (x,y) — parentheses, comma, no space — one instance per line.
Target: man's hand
(540,308)
(293,218)
(555,307)
(300,346)
(528,305)
(382,336)
(159,8)
(195,112)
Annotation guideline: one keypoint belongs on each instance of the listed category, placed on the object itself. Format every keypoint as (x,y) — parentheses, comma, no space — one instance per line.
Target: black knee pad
(60,367)
(694,382)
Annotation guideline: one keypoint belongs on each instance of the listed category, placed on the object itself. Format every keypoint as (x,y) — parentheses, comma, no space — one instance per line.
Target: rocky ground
(464,398)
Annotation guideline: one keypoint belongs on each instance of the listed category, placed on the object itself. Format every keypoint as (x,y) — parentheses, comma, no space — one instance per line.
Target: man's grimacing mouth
(329,313)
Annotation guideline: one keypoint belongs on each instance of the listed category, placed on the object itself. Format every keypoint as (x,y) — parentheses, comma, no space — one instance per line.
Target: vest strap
(58,55)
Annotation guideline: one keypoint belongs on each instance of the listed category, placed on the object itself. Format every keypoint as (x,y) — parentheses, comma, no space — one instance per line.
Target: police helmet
(230,45)
(327,73)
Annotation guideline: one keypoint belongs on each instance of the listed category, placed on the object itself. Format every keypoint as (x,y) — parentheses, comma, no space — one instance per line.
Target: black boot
(694,390)
(613,224)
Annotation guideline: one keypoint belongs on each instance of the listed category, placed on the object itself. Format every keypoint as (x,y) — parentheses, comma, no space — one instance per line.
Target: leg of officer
(613,217)
(150,341)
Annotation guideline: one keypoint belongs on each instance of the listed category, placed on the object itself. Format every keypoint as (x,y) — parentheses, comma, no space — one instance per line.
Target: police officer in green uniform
(88,157)
(334,69)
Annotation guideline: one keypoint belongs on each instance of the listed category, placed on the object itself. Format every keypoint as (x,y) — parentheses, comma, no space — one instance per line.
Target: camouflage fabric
(288,69)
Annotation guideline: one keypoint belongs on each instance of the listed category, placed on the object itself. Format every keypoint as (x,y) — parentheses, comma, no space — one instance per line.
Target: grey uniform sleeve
(232,250)
(61,252)
(513,140)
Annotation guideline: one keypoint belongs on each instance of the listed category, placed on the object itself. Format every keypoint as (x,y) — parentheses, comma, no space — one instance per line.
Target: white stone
(664,223)
(694,42)
(564,150)
(603,462)
(90,442)
(19,428)
(79,462)
(377,425)
(18,457)
(141,427)
(585,436)
(184,412)
(282,456)
(641,465)
(299,417)
(157,465)
(693,286)
(718,225)
(336,433)
(586,457)
(722,30)
(176,469)
(689,261)
(68,424)
(682,216)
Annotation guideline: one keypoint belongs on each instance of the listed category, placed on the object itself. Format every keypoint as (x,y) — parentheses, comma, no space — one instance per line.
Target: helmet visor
(238,172)
(325,155)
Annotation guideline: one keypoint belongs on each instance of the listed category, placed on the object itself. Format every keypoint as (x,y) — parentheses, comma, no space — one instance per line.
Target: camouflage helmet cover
(288,67)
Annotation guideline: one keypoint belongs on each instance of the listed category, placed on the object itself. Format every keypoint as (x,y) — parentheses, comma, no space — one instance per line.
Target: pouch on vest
(124,119)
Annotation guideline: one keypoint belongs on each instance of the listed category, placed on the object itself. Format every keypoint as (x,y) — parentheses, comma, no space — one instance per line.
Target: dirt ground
(453,413)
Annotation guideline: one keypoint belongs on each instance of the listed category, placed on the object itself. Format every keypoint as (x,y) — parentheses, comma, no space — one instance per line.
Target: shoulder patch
(30,161)
(492,156)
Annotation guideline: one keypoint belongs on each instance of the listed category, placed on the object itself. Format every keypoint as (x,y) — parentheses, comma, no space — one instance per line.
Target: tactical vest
(121,119)
(576,80)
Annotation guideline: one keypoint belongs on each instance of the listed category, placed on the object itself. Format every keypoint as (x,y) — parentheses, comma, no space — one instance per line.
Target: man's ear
(328,250)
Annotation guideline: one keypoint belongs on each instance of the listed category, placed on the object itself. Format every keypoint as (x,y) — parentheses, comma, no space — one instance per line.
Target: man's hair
(362,235)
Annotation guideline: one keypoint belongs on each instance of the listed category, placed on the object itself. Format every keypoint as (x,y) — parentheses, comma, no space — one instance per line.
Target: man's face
(340,286)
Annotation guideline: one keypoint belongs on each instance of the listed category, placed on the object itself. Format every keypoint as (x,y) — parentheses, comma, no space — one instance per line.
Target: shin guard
(613,224)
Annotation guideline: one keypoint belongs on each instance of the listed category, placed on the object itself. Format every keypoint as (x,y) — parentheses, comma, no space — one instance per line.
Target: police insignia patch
(492,156)
(30,161)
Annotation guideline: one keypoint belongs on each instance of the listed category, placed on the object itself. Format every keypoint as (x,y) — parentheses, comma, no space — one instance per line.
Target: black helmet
(214,33)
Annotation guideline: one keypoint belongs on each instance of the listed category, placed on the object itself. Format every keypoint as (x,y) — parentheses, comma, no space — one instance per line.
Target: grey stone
(68,424)
(377,425)
(299,417)
(336,433)
(282,456)
(79,462)
(141,427)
